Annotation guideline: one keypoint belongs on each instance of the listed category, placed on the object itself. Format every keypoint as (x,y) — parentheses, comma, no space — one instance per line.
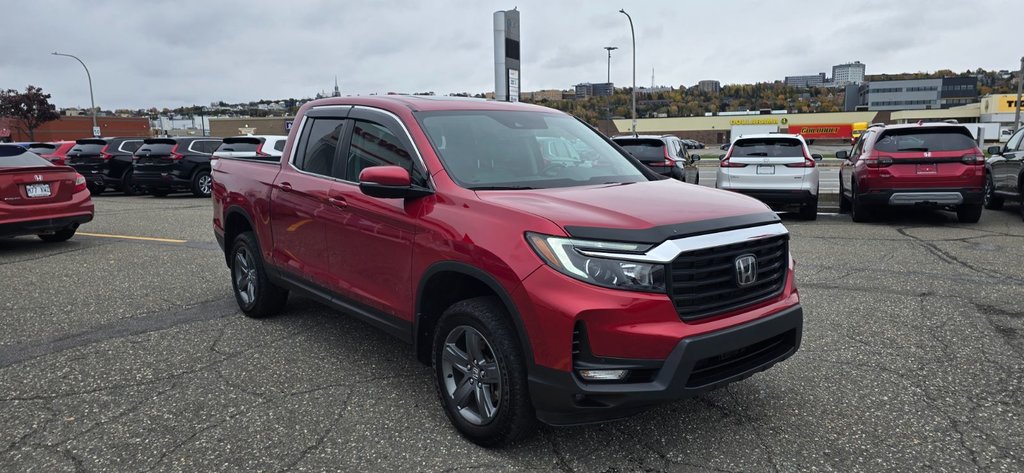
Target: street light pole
(1020,87)
(92,101)
(633,34)
(610,49)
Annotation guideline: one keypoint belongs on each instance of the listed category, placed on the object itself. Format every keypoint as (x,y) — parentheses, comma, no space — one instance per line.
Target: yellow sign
(1000,103)
(755,121)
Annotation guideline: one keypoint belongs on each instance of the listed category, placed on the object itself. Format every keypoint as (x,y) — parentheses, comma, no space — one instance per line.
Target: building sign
(757,121)
(999,103)
(822,132)
(288,125)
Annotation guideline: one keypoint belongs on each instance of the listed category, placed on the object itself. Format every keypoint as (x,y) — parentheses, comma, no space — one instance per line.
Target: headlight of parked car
(565,256)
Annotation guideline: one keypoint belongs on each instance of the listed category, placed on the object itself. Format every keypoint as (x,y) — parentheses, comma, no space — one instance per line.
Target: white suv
(254,147)
(778,169)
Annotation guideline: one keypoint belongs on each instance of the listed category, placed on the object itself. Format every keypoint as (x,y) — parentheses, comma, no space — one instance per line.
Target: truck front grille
(704,282)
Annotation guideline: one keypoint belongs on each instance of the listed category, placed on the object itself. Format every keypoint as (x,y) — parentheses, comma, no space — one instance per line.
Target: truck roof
(427,103)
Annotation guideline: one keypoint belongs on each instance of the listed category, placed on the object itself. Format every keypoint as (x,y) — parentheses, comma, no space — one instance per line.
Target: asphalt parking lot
(123,354)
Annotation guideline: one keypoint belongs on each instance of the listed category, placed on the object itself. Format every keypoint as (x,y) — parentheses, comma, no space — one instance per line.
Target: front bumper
(924,197)
(777,197)
(43,225)
(696,365)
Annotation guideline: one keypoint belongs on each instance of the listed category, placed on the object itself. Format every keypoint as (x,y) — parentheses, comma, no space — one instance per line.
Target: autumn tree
(28,110)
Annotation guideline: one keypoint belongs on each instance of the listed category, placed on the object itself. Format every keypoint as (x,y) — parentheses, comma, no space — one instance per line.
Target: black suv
(165,165)
(1004,173)
(666,155)
(105,162)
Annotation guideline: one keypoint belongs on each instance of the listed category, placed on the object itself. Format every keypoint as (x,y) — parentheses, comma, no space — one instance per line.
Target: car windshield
(646,150)
(768,148)
(491,150)
(926,139)
(18,157)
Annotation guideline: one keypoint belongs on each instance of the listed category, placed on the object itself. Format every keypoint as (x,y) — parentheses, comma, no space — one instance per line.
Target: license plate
(38,190)
(927,168)
(765,169)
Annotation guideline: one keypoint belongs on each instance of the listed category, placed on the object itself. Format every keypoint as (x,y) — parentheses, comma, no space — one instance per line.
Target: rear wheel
(859,210)
(127,186)
(256,295)
(809,211)
(844,203)
(992,201)
(202,184)
(96,189)
(480,373)
(58,236)
(969,213)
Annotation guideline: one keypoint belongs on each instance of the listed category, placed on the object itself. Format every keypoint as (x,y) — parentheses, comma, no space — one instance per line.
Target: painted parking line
(130,237)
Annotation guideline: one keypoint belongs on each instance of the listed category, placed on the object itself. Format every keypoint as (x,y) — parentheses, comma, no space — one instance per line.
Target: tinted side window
(130,146)
(373,145)
(279,145)
(1015,141)
(321,145)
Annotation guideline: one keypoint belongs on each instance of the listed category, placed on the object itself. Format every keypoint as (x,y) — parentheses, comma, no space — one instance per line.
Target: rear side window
(89,148)
(204,146)
(644,150)
(279,145)
(130,146)
(925,139)
(373,145)
(17,157)
(240,145)
(322,140)
(767,148)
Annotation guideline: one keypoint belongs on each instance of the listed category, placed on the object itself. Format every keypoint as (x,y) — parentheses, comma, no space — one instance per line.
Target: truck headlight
(563,255)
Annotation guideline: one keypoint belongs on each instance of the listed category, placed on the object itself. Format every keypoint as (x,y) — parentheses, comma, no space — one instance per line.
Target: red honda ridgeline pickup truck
(536,287)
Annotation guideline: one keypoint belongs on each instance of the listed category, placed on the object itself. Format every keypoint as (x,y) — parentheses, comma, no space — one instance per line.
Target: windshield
(926,139)
(488,150)
(768,147)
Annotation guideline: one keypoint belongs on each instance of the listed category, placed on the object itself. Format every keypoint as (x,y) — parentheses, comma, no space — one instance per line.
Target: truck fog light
(604,375)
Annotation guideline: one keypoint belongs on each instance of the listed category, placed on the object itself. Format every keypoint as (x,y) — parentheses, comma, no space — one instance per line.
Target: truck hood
(648,212)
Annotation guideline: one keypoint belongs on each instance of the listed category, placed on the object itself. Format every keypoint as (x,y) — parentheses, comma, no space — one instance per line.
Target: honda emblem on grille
(746,270)
(38,177)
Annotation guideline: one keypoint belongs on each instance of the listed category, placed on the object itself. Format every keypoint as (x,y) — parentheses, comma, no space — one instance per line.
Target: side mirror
(389,182)
(721,157)
(695,157)
(842,155)
(995,150)
(816,157)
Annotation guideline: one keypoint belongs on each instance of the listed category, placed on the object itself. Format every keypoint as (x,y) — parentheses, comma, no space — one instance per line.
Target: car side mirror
(695,157)
(721,157)
(389,182)
(816,157)
(995,150)
(842,155)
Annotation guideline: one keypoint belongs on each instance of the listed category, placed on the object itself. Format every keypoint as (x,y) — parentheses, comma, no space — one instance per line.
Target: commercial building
(709,86)
(250,126)
(919,94)
(73,128)
(587,89)
(816,80)
(850,73)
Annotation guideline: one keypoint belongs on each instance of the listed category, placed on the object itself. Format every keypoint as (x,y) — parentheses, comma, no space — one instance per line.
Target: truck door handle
(338,202)
(284,186)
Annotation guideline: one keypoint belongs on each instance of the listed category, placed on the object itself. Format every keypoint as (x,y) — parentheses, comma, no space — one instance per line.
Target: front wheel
(202,184)
(969,213)
(58,236)
(992,201)
(480,373)
(127,186)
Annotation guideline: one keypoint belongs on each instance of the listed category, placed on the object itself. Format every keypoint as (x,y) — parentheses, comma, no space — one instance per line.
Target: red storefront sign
(823,132)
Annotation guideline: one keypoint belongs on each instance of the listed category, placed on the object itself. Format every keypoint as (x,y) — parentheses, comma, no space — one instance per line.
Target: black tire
(969,213)
(127,186)
(696,179)
(202,183)
(513,417)
(992,201)
(58,236)
(809,211)
(859,211)
(96,189)
(261,297)
(844,203)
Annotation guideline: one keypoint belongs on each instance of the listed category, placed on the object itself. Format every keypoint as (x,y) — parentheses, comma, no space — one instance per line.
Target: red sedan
(40,198)
(54,152)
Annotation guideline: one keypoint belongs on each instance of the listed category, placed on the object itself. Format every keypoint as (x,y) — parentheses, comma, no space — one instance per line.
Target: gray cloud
(170,53)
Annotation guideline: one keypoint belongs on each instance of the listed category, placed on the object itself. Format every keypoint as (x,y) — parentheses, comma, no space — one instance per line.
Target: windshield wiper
(499,188)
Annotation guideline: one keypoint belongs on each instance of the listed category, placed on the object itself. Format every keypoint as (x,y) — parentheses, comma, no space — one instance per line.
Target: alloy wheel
(472,378)
(206,184)
(245,276)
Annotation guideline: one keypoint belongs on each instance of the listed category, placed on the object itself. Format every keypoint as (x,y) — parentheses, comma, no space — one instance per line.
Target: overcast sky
(173,53)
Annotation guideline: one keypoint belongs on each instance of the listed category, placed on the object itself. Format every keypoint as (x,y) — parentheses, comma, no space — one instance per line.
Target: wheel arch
(469,282)
(236,222)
